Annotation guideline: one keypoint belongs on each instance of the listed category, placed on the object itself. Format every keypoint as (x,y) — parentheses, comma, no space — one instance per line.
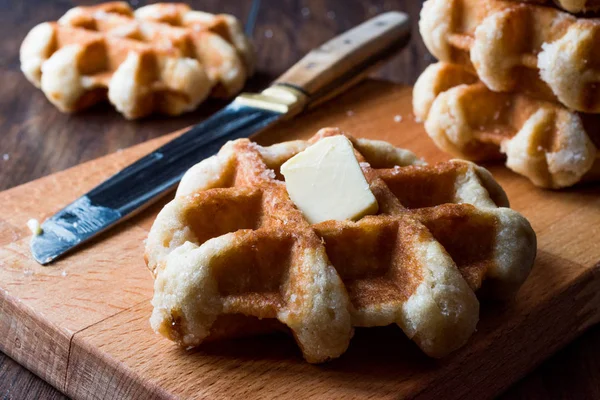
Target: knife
(322,74)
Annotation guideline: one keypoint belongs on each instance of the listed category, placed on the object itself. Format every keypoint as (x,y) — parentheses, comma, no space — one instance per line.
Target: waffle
(233,256)
(541,51)
(543,141)
(224,25)
(574,6)
(141,66)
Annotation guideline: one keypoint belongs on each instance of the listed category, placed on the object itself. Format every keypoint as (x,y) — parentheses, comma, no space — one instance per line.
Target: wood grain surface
(37,140)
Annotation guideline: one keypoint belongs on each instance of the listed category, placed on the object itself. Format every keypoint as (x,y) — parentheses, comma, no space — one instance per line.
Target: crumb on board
(6,157)
(34,226)
(398,118)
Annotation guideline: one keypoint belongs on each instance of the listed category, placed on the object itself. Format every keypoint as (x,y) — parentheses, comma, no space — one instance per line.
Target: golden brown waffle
(574,6)
(541,140)
(224,25)
(537,50)
(102,52)
(233,256)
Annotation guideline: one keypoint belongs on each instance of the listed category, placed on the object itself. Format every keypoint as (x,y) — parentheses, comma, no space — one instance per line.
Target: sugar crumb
(63,274)
(331,14)
(305,12)
(349,113)
(6,157)
(398,118)
(268,174)
(268,33)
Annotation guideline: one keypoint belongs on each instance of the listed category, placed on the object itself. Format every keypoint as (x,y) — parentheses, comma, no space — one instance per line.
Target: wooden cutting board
(82,323)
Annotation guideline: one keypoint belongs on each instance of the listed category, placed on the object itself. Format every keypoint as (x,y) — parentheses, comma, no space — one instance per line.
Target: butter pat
(326,182)
(34,226)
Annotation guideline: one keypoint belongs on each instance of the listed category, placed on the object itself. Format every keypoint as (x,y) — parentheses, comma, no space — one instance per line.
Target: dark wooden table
(36,140)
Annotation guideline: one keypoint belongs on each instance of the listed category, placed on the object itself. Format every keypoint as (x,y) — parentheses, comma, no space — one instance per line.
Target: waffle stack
(516,79)
(162,58)
(233,256)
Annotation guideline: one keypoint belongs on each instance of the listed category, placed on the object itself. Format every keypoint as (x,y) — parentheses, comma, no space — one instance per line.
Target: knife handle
(346,59)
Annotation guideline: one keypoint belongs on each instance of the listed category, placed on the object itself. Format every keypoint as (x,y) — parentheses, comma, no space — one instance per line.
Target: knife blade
(320,75)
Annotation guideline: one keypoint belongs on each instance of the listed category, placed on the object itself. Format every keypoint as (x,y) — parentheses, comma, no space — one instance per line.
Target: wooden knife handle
(344,60)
